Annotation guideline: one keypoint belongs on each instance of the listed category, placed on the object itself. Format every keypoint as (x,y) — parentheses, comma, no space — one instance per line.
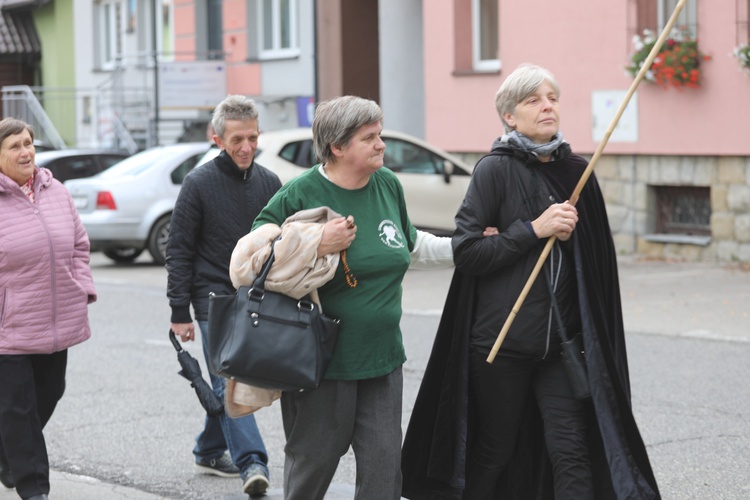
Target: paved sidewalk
(686,299)
(74,487)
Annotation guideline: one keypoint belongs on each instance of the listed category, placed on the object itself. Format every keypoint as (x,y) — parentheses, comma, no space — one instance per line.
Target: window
(72,168)
(299,152)
(484,23)
(654,14)
(178,174)
(743,21)
(75,167)
(278,29)
(688,18)
(683,210)
(401,156)
(647,15)
(107,15)
(165,35)
(164,16)
(215,30)
(107,161)
(476,31)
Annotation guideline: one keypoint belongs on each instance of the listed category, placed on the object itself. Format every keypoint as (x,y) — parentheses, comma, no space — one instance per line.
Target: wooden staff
(586,174)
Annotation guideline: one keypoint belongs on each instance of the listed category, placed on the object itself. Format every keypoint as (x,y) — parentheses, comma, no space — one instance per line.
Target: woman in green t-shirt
(359,402)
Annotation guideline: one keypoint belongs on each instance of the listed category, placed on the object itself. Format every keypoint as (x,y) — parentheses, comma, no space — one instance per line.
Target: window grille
(683,210)
(654,14)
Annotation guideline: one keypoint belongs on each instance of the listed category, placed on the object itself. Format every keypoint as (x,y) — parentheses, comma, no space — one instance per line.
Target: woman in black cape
(512,429)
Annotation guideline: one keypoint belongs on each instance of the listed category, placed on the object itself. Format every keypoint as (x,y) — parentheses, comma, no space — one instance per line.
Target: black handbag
(268,339)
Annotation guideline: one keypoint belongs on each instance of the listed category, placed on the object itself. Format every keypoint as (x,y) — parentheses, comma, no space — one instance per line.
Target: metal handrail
(109,113)
(20,102)
(124,135)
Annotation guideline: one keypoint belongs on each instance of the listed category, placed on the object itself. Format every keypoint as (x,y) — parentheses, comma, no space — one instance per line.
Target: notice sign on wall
(192,84)
(604,107)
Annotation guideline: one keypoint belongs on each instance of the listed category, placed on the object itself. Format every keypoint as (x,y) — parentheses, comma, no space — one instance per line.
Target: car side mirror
(447,171)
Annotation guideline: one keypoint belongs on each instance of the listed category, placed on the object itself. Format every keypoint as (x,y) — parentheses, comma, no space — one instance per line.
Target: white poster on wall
(604,107)
(192,84)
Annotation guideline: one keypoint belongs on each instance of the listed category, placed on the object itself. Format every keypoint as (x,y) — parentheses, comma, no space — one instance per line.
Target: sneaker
(254,481)
(222,466)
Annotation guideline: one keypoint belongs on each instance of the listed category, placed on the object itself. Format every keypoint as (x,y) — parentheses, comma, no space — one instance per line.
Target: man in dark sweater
(217,204)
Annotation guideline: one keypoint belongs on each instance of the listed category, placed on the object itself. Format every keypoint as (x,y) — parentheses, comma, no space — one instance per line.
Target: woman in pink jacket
(45,289)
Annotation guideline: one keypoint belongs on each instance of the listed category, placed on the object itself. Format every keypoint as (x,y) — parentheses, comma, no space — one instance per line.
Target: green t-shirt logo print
(390,234)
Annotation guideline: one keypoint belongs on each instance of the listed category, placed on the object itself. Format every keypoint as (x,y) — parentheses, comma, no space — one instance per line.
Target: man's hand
(186,331)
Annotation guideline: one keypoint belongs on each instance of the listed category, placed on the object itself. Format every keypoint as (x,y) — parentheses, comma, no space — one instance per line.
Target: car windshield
(133,165)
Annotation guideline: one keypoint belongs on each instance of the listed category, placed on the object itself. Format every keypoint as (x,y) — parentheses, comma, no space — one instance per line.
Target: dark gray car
(68,164)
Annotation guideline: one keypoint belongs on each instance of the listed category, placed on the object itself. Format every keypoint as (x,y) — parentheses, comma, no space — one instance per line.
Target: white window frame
(146,32)
(478,63)
(688,17)
(160,34)
(108,33)
(276,51)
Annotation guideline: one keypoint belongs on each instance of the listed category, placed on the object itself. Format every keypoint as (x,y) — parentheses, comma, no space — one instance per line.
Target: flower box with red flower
(678,63)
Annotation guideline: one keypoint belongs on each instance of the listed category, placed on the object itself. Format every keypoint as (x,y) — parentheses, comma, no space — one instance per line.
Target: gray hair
(336,121)
(519,85)
(13,126)
(233,107)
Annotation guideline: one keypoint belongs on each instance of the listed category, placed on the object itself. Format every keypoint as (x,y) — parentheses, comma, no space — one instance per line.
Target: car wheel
(123,255)
(157,240)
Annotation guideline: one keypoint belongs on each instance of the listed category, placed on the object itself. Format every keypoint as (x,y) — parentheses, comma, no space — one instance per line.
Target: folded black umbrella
(191,370)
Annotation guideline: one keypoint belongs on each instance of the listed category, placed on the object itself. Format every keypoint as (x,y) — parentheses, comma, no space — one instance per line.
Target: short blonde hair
(519,85)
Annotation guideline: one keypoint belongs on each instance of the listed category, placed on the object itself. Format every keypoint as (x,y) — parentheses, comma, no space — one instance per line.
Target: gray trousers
(320,426)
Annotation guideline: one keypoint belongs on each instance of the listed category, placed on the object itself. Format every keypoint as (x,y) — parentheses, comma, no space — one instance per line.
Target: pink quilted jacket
(45,279)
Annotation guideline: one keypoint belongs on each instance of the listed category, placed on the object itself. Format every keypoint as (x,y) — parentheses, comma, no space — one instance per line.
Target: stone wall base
(628,182)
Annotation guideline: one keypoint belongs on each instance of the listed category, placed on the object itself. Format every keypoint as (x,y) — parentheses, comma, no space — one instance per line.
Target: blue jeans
(238,435)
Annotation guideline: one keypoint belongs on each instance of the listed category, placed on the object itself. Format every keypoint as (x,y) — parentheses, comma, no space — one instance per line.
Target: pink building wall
(586,45)
(242,77)
(184,30)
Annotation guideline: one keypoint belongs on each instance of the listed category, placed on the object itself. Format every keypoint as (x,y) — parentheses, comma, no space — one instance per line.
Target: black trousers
(31,386)
(499,393)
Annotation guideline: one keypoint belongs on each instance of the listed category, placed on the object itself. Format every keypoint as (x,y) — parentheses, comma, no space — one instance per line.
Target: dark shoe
(5,476)
(254,481)
(39,497)
(221,466)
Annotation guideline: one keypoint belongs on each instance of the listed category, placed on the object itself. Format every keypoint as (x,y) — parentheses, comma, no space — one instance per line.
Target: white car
(434,181)
(127,208)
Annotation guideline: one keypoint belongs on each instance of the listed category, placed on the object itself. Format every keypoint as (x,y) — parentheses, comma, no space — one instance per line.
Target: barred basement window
(683,210)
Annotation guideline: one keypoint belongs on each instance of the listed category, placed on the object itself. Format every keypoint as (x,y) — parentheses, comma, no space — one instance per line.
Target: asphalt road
(128,419)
